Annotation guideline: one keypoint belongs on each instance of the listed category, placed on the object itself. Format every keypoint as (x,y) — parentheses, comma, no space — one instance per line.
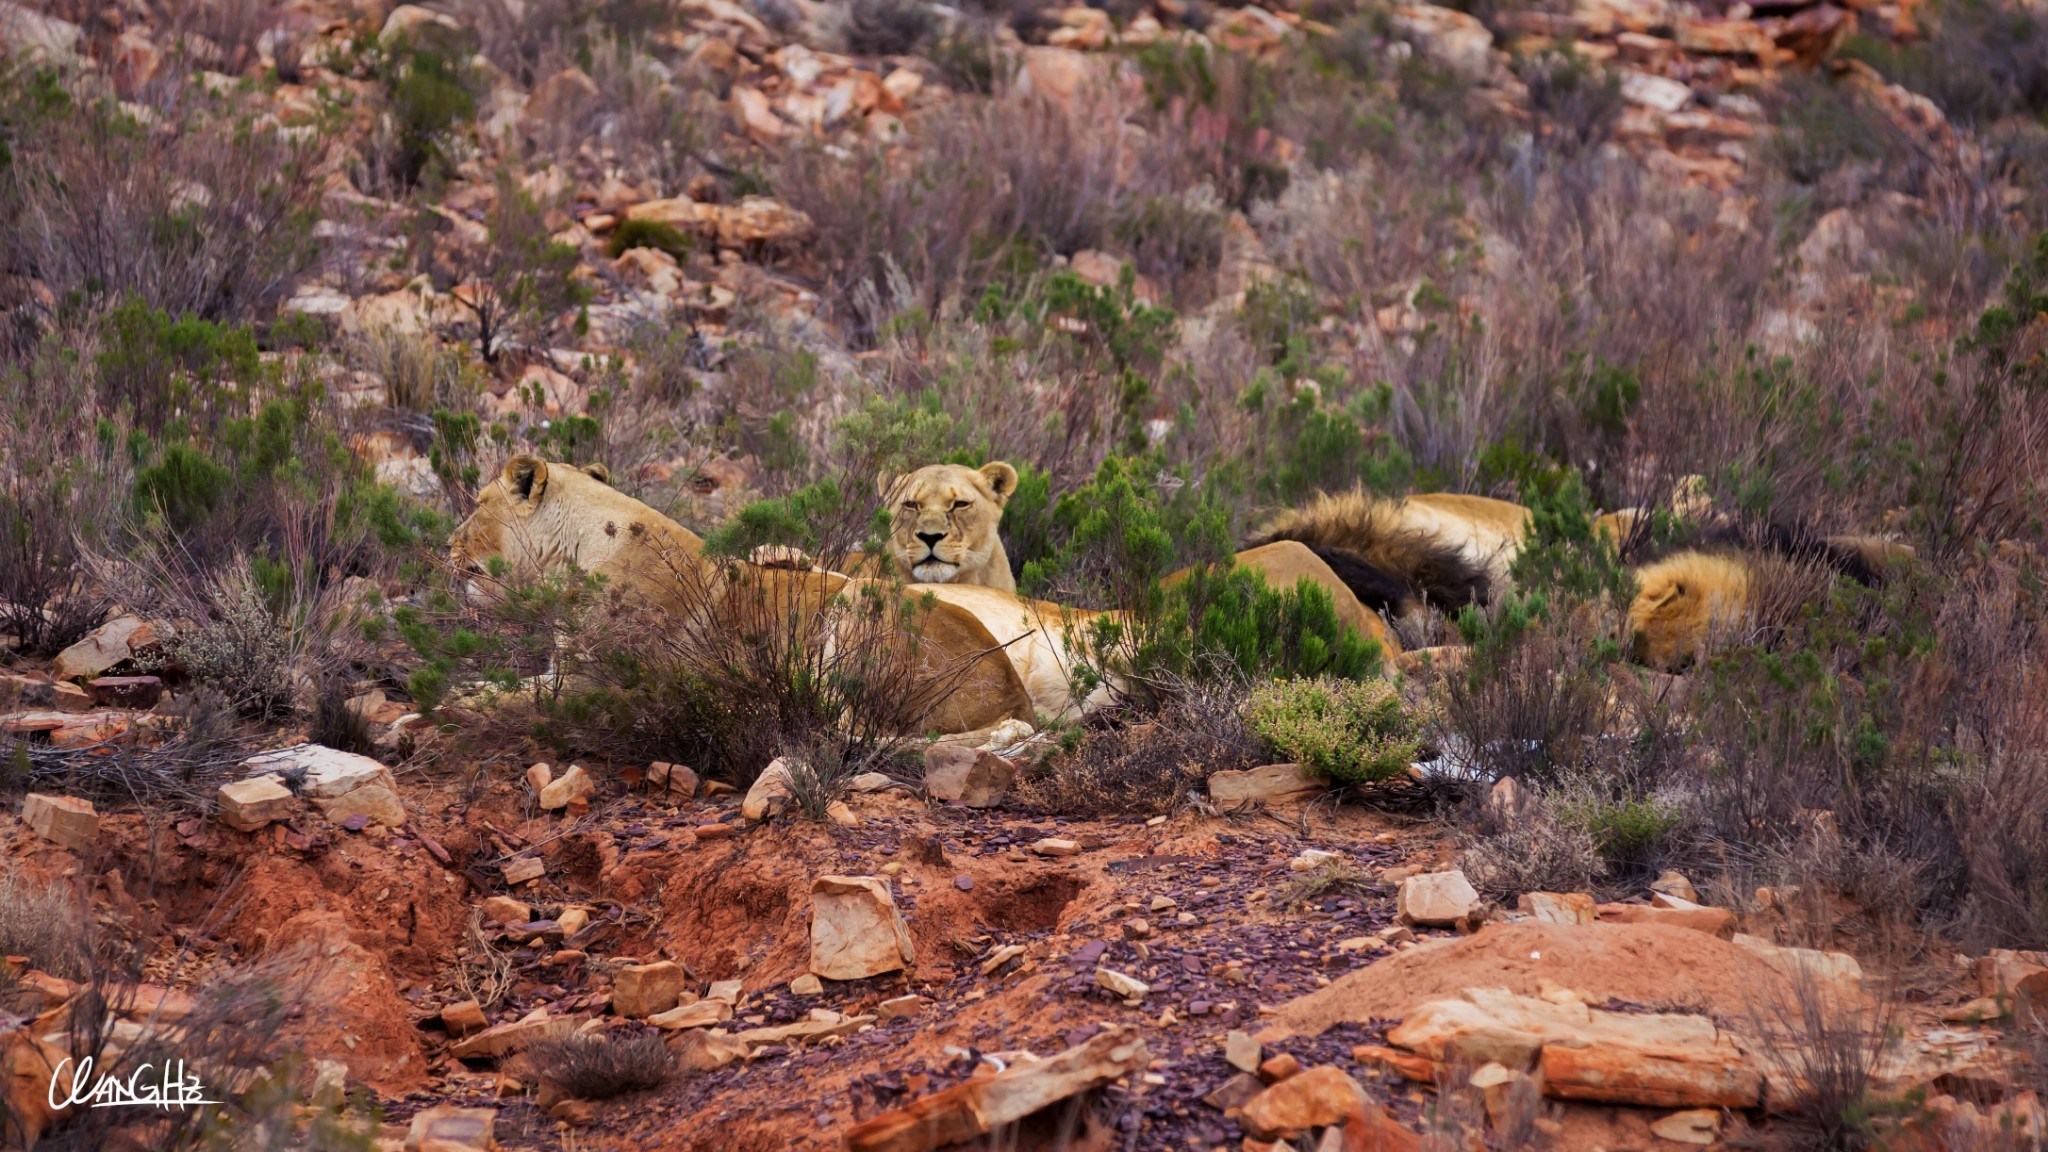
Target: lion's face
(946,520)
(1684,605)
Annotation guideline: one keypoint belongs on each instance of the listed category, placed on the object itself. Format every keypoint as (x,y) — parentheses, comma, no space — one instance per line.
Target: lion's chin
(934,571)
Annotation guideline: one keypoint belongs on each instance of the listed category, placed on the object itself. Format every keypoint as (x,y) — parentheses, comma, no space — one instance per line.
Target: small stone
(728,991)
(63,820)
(1056,846)
(464,1018)
(838,813)
(714,831)
(249,805)
(538,777)
(966,775)
(445,1128)
(771,791)
(506,910)
(1278,1067)
(647,989)
(807,985)
(1235,1092)
(1675,884)
(672,779)
(375,803)
(1693,1126)
(109,645)
(126,691)
(1162,904)
(900,1007)
(572,921)
(856,930)
(1241,1052)
(1000,957)
(523,870)
(1557,907)
(1127,987)
(574,784)
(1316,1098)
(1437,899)
(702,1014)
(964,883)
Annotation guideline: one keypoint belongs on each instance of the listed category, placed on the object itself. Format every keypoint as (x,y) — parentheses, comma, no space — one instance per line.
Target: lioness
(946,531)
(537,518)
(945,519)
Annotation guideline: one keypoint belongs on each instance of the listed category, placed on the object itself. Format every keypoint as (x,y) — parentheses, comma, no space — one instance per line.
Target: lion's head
(536,518)
(946,519)
(1687,603)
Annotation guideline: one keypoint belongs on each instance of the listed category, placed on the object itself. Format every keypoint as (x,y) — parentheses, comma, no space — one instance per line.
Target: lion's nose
(931,539)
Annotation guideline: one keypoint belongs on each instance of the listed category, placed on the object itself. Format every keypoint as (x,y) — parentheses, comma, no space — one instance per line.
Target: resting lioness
(945,518)
(947,531)
(536,518)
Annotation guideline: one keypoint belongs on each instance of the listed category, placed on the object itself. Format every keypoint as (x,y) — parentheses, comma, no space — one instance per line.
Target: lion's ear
(527,477)
(1672,591)
(888,484)
(598,472)
(1002,480)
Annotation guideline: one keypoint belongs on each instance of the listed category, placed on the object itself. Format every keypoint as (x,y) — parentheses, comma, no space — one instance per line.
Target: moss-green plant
(1349,731)
(633,233)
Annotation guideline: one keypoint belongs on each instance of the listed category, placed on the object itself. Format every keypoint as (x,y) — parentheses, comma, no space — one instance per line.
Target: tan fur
(1284,562)
(539,518)
(26,1066)
(1042,638)
(946,524)
(1687,603)
(1419,539)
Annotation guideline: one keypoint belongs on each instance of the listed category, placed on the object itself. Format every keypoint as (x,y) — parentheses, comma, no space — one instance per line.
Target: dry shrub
(1534,704)
(986,184)
(46,922)
(420,374)
(1149,768)
(235,1041)
(1537,849)
(600,1066)
(61,486)
(240,649)
(1829,1041)
(221,229)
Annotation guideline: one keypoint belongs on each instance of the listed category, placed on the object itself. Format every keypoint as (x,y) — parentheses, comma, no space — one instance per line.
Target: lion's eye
(910,505)
(959,504)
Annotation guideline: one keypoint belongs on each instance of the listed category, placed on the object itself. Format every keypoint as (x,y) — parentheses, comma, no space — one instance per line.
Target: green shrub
(1351,732)
(431,94)
(632,233)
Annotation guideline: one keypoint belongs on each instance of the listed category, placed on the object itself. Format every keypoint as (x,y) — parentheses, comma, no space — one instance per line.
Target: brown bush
(1148,768)
(601,1066)
(220,230)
